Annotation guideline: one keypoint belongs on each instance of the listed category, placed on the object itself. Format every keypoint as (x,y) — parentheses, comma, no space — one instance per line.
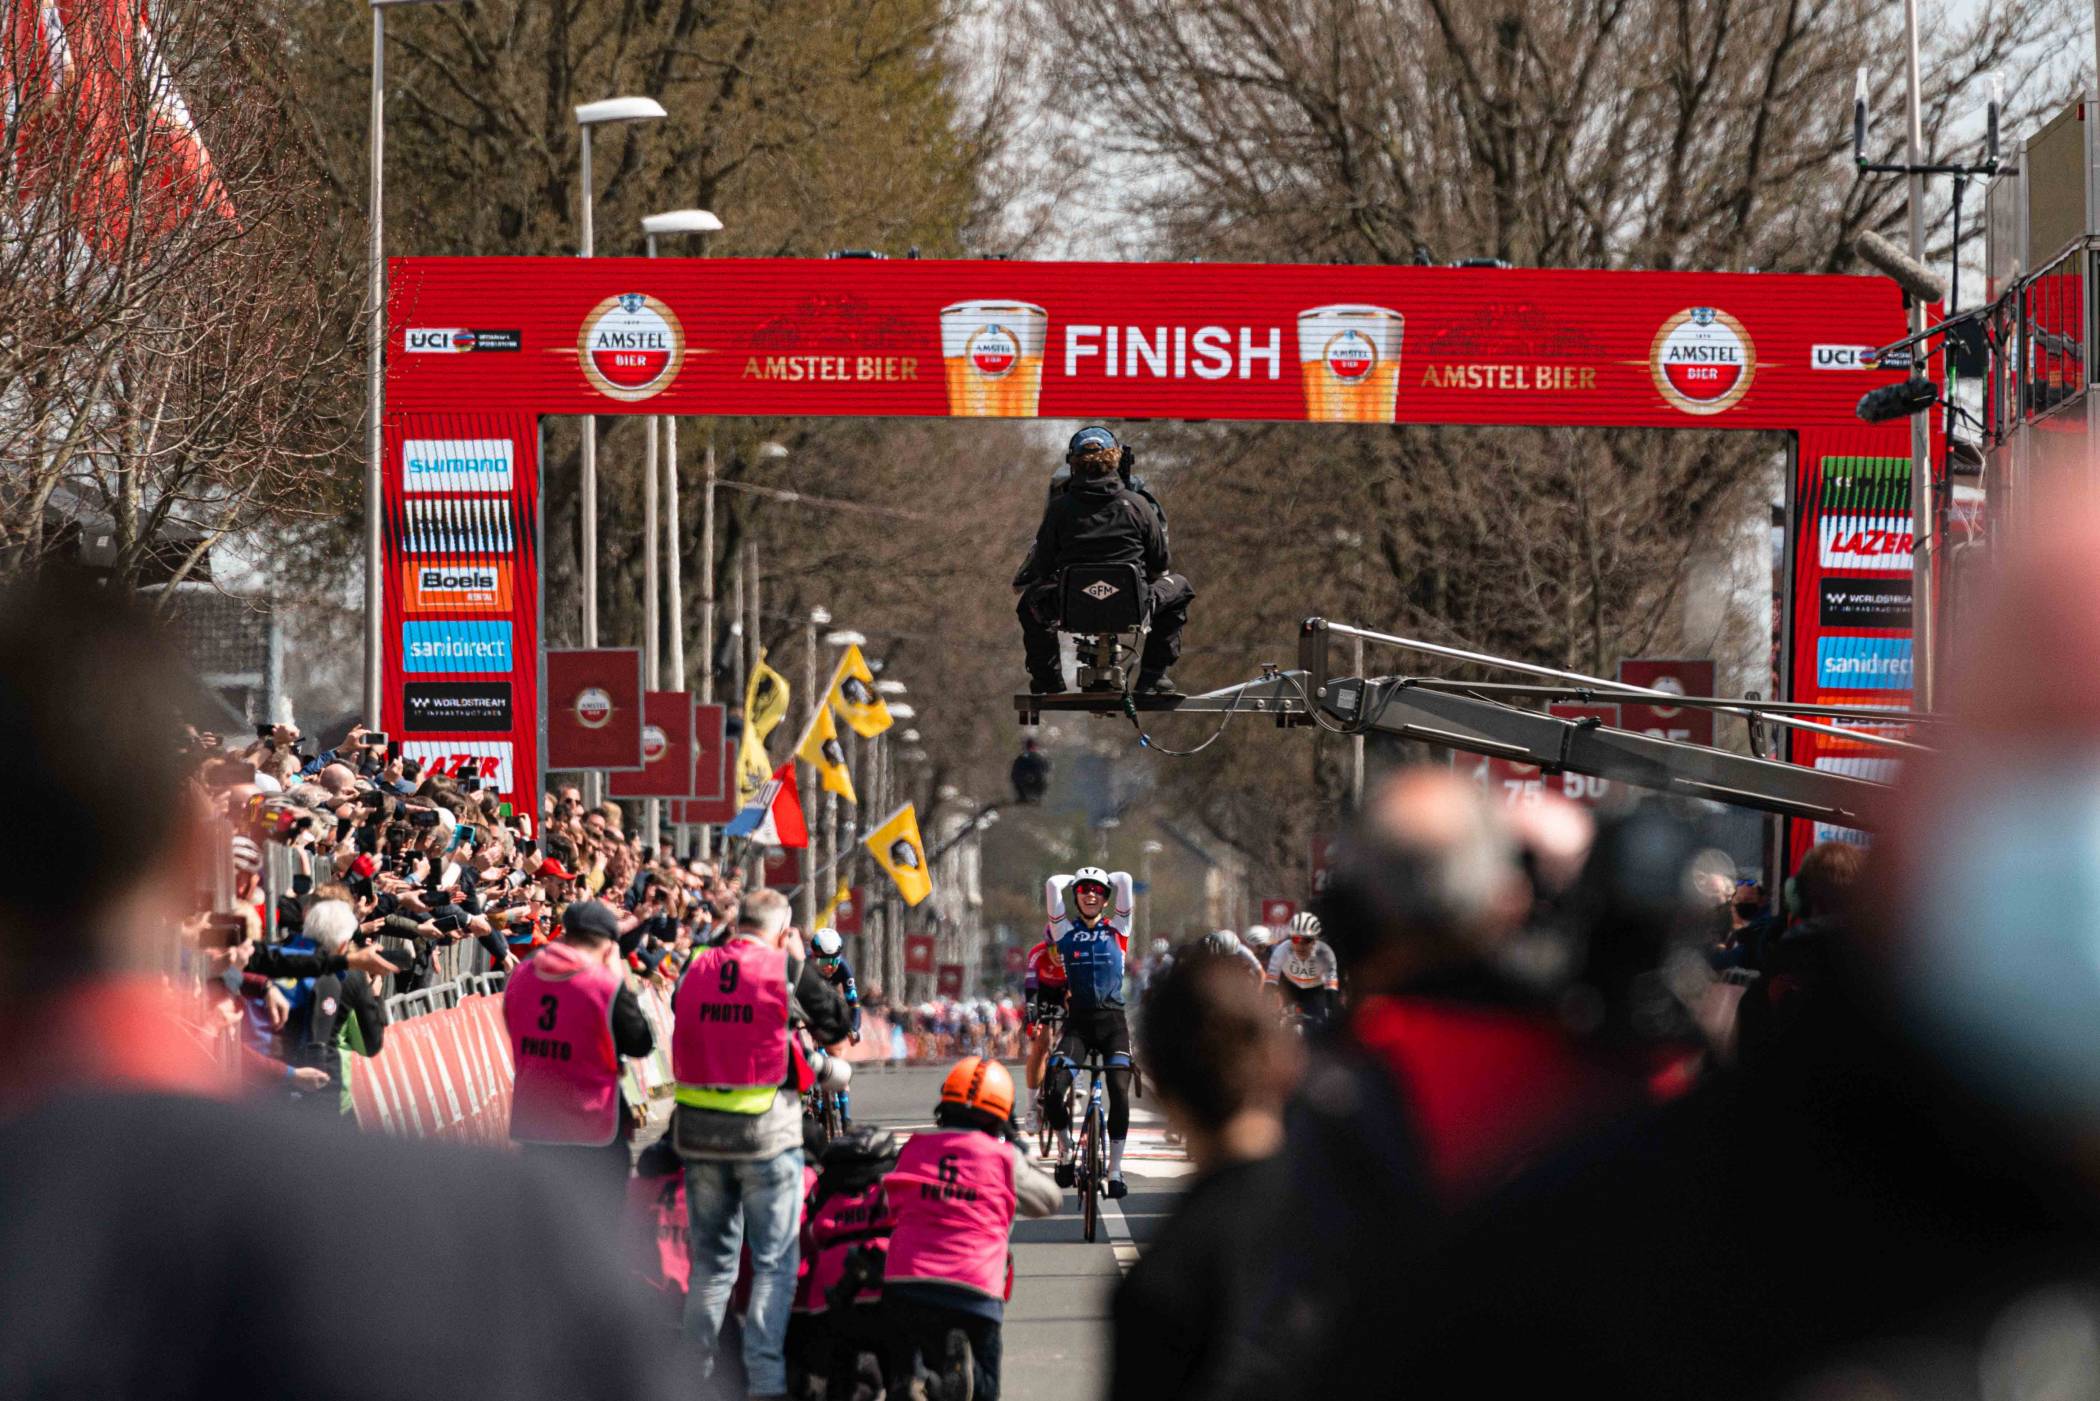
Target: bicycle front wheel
(1090,1182)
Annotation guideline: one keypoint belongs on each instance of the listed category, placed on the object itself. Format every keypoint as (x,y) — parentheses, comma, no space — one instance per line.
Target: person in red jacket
(953,1198)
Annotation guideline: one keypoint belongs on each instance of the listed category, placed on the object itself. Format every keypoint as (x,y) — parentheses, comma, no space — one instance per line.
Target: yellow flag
(753,768)
(821,750)
(896,847)
(853,696)
(766,700)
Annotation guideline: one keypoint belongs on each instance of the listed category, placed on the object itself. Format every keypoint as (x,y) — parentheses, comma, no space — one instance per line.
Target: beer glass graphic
(994,356)
(1349,360)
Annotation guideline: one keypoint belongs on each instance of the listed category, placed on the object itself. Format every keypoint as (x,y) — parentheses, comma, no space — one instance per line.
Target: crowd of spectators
(393,875)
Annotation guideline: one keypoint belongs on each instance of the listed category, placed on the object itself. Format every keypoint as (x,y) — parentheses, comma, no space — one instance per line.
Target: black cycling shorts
(1104,1030)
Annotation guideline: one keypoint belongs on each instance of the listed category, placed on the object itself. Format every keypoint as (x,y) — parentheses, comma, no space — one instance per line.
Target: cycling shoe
(1065,1174)
(1117,1189)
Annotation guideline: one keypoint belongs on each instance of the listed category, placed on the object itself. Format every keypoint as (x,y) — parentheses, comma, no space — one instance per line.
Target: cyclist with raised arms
(1305,972)
(1093,943)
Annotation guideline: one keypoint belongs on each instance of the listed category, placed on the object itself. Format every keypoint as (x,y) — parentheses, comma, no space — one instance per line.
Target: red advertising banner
(714,799)
(667,749)
(1277,912)
(783,868)
(1850,560)
(1683,677)
(459,606)
(594,708)
(1323,854)
(846,918)
(1335,343)
(517,338)
(948,981)
(1517,784)
(918,953)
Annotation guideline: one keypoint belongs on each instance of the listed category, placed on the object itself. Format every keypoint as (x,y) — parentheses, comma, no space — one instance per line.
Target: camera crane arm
(1393,705)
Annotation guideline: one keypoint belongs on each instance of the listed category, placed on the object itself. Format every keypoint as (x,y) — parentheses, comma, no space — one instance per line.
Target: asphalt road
(1056,1336)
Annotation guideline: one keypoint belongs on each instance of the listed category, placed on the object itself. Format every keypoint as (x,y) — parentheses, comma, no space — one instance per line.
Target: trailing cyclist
(952,1199)
(1306,973)
(1044,987)
(1094,947)
(828,951)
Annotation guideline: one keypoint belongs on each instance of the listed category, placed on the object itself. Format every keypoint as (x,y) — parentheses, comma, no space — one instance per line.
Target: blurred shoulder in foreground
(158,1238)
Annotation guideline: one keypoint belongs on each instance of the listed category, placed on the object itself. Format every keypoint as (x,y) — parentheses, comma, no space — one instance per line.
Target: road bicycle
(1053,1024)
(1090,1173)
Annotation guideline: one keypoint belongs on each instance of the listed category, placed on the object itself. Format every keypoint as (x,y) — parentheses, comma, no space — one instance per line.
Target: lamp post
(655,585)
(1146,852)
(375,362)
(589,115)
(818,617)
(680,221)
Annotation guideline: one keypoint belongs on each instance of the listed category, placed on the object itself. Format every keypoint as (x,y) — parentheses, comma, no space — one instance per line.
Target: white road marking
(1119,1240)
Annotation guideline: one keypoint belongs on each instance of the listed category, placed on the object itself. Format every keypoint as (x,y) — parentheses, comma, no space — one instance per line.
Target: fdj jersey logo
(631,346)
(1702,360)
(1350,356)
(994,351)
(455,647)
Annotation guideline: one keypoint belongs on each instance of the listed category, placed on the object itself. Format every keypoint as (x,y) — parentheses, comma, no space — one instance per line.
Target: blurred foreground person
(1903,1191)
(158,1240)
(1222,1068)
(1467,1054)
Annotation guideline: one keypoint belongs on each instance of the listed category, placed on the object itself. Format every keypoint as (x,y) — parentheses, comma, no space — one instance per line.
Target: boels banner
(480,348)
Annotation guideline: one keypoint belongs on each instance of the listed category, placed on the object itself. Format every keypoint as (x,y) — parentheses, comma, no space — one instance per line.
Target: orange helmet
(981,1083)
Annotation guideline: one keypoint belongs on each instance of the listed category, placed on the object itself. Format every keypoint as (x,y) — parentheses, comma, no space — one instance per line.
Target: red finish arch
(480,348)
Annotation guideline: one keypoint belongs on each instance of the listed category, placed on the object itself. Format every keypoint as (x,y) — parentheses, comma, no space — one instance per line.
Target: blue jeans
(729,1205)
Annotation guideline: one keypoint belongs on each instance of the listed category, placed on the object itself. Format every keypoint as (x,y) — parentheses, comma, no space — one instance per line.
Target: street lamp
(589,115)
(683,221)
(888,687)
(375,359)
(901,711)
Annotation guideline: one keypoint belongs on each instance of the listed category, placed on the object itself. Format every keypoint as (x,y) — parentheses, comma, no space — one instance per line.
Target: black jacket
(1097,522)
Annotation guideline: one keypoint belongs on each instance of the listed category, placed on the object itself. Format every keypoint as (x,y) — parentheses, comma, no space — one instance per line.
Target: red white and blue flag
(773,817)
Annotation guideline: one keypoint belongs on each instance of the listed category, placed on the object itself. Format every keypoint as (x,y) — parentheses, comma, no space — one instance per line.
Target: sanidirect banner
(987,339)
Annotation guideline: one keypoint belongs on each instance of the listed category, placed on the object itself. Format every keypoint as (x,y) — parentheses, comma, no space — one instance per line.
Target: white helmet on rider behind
(1305,925)
(1258,936)
(1222,942)
(1091,875)
(826,943)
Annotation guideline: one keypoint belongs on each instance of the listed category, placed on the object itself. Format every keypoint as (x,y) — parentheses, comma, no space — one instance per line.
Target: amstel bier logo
(631,346)
(1702,360)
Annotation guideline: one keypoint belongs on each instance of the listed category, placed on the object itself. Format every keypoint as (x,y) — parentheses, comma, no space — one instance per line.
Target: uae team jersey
(1315,969)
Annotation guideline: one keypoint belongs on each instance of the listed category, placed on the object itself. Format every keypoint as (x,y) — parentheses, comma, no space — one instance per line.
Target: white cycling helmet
(1091,875)
(826,943)
(1305,925)
(1259,936)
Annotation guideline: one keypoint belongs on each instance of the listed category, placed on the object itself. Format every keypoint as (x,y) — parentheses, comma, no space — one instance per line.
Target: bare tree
(177,362)
(1599,133)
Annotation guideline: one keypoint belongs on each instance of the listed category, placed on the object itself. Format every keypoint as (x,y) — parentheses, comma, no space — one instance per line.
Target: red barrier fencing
(445,1074)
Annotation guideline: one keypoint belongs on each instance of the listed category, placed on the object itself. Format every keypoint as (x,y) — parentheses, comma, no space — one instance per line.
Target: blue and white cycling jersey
(1094,961)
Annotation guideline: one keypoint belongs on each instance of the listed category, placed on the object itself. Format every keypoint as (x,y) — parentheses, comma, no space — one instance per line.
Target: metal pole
(754,629)
(1921,502)
(587,486)
(375,359)
(674,573)
(809,715)
(1356,749)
